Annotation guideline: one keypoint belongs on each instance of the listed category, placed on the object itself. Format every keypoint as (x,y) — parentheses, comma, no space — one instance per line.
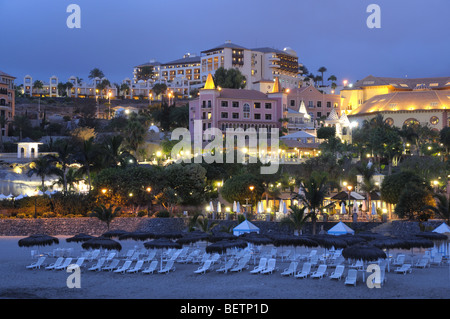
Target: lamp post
(251,188)
(349,187)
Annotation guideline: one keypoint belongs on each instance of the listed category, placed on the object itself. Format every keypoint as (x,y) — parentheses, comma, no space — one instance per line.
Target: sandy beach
(18,282)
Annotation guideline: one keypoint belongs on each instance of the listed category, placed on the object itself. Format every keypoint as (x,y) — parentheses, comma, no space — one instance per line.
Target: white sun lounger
(321,272)
(291,270)
(99,265)
(260,267)
(137,267)
(305,272)
(242,264)
(405,268)
(66,263)
(227,267)
(112,266)
(352,275)
(167,268)
(271,266)
(203,269)
(423,263)
(338,272)
(151,268)
(37,264)
(57,263)
(124,267)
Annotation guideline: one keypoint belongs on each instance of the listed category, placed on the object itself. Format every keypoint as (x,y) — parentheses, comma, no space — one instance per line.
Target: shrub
(142,213)
(163,214)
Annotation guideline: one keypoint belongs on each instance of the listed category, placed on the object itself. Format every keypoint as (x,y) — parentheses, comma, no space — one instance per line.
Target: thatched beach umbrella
(162,243)
(364,253)
(389,243)
(168,235)
(256,239)
(101,243)
(193,237)
(222,246)
(38,240)
(79,238)
(114,233)
(221,236)
(142,236)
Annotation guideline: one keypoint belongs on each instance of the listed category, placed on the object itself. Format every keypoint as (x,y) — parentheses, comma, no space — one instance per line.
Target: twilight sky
(116,35)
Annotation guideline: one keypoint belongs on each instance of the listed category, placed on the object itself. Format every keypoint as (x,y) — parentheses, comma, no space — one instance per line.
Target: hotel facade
(7,99)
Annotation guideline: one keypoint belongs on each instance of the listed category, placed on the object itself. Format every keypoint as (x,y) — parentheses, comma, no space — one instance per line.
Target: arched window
(411,121)
(434,120)
(389,121)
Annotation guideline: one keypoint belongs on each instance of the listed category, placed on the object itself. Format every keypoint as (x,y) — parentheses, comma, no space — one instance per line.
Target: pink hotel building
(233,108)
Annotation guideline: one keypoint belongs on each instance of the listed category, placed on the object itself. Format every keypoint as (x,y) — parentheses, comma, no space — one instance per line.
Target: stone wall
(93,226)
(402,227)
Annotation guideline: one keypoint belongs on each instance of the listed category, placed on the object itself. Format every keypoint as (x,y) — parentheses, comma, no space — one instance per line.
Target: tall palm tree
(96,73)
(134,135)
(205,225)
(297,218)
(312,194)
(69,179)
(113,153)
(42,167)
(322,70)
(105,214)
(21,122)
(65,158)
(86,157)
(368,185)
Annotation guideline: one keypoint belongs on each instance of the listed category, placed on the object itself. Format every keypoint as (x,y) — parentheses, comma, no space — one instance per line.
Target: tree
(237,189)
(21,122)
(159,88)
(322,70)
(179,117)
(326,132)
(103,86)
(86,157)
(96,73)
(124,88)
(65,159)
(442,208)
(229,78)
(312,195)
(205,225)
(3,123)
(392,185)
(38,85)
(42,167)
(368,185)
(444,137)
(413,202)
(105,214)
(62,89)
(297,218)
(134,135)
(144,73)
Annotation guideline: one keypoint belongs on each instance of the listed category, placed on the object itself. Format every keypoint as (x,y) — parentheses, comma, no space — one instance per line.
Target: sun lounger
(137,267)
(151,268)
(66,263)
(57,263)
(124,267)
(242,264)
(290,271)
(112,266)
(405,268)
(359,265)
(270,268)
(305,272)
(227,267)
(399,261)
(437,260)
(338,272)
(80,262)
(320,272)
(422,263)
(167,268)
(351,278)
(99,265)
(260,267)
(203,269)
(110,256)
(151,255)
(37,264)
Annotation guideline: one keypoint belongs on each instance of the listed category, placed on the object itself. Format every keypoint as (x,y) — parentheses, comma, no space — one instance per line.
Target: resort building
(74,88)
(7,99)
(318,105)
(236,108)
(400,101)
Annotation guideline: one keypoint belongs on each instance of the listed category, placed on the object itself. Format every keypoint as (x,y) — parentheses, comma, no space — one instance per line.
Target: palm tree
(135,134)
(368,185)
(296,219)
(105,214)
(21,122)
(113,154)
(39,86)
(69,179)
(203,224)
(442,207)
(96,73)
(313,194)
(42,167)
(322,70)
(86,157)
(64,158)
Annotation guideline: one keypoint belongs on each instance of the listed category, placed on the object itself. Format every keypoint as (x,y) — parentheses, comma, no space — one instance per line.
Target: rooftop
(404,83)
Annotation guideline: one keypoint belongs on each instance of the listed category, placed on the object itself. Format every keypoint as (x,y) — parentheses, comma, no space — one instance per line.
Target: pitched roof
(209,85)
(6,74)
(333,115)
(226,45)
(404,83)
(191,59)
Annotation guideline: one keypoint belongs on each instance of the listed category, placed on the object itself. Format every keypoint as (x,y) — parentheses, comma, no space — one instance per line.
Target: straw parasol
(162,243)
(114,233)
(193,237)
(256,239)
(222,246)
(79,238)
(221,236)
(101,243)
(168,235)
(38,240)
(137,236)
(363,252)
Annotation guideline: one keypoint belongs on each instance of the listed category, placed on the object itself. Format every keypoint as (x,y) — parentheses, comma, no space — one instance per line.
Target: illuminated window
(434,120)
(411,121)
(389,121)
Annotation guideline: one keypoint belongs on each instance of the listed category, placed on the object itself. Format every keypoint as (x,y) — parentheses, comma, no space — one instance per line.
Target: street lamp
(251,188)
(349,187)
(109,105)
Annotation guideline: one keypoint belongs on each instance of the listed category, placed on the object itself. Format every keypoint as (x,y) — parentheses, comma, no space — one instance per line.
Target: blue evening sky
(414,39)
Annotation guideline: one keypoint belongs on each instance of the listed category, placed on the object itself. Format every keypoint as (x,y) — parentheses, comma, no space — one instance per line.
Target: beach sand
(19,282)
